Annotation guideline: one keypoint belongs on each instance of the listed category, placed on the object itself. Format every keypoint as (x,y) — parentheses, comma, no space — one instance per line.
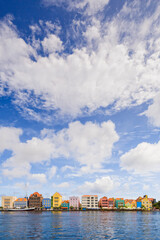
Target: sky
(79,97)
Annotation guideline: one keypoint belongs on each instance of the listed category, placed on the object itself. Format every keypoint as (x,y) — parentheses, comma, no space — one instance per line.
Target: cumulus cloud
(52,44)
(101,185)
(89,144)
(9,137)
(90,7)
(144,159)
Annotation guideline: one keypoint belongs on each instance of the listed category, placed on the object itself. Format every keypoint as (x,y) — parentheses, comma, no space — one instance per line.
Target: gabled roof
(65,201)
(139,199)
(58,194)
(36,193)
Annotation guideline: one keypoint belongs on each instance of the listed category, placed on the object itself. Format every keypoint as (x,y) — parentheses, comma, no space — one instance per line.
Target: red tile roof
(36,193)
(21,200)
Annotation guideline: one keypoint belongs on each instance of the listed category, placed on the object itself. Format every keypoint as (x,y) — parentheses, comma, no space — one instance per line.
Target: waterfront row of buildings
(37,201)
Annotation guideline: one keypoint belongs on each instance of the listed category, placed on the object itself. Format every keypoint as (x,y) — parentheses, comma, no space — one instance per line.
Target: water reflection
(80,225)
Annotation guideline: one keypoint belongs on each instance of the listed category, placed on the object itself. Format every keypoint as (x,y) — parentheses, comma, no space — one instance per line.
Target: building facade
(146,203)
(119,202)
(111,203)
(130,203)
(65,205)
(74,202)
(90,201)
(8,201)
(21,203)
(35,200)
(46,203)
(56,200)
(103,202)
(139,202)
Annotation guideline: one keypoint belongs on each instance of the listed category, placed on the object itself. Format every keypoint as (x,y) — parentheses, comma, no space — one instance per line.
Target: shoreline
(87,210)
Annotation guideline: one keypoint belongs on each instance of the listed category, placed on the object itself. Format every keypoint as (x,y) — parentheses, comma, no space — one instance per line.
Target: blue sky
(79,97)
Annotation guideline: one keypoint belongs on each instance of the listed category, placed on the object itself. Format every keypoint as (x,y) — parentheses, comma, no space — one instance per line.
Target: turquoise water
(80,225)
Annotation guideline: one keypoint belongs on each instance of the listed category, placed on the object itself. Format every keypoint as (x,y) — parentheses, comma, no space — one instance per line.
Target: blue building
(65,205)
(139,204)
(46,203)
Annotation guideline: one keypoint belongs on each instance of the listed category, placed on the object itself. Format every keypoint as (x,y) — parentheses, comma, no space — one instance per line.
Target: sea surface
(80,225)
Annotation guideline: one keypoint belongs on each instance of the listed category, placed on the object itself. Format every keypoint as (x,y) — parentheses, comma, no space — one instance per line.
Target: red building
(103,202)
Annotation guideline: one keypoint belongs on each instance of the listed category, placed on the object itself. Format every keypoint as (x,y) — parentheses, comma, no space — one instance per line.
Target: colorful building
(8,201)
(90,201)
(46,203)
(35,200)
(127,203)
(21,203)
(139,202)
(119,202)
(146,203)
(103,202)
(56,200)
(65,205)
(74,202)
(130,203)
(111,203)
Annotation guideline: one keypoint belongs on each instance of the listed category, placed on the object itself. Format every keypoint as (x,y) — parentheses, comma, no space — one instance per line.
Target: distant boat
(20,209)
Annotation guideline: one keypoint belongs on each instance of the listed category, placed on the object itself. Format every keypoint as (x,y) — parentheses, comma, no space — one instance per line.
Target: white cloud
(153,112)
(89,144)
(92,76)
(9,137)
(65,168)
(144,159)
(52,44)
(52,171)
(90,6)
(39,177)
(101,185)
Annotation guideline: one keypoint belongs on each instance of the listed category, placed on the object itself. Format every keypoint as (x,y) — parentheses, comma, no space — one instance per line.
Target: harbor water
(80,225)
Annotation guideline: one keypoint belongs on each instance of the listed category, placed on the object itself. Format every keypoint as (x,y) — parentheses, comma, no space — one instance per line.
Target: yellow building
(146,203)
(56,200)
(8,201)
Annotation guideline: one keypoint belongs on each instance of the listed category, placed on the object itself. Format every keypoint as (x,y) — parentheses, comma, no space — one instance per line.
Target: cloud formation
(101,185)
(143,159)
(117,65)
(89,144)
(88,7)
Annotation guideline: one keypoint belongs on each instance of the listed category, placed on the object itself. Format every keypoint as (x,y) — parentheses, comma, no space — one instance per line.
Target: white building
(90,201)
(8,201)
